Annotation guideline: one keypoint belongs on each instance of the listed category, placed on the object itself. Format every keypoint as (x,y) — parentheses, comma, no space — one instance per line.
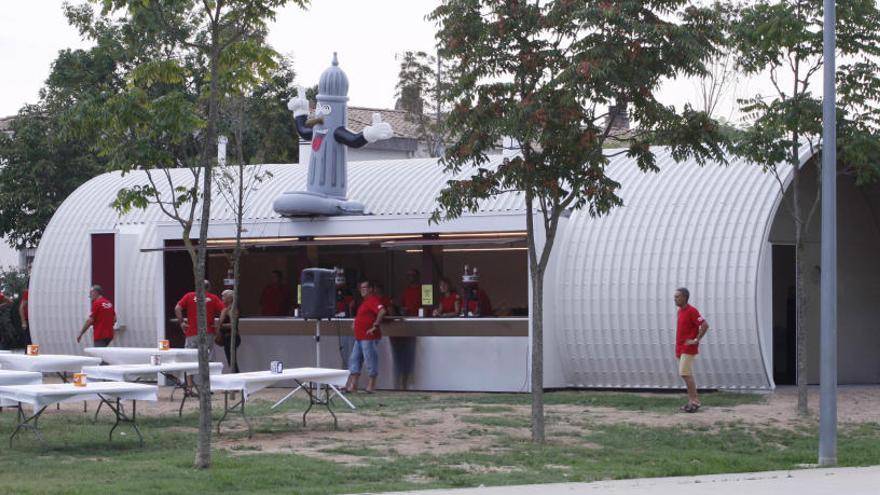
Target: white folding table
(44,395)
(47,363)
(135,372)
(327,379)
(59,364)
(9,377)
(141,355)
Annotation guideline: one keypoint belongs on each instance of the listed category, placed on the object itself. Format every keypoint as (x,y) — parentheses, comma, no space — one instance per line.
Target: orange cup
(79,379)
(33,349)
(164,345)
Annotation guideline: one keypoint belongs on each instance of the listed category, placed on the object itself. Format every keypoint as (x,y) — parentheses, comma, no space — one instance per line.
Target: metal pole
(318,343)
(828,282)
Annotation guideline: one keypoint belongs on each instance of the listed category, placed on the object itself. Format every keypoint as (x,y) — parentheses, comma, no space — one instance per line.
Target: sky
(366,34)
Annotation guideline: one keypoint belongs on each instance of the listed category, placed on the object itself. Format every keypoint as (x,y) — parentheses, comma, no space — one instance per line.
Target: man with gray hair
(102,317)
(690,330)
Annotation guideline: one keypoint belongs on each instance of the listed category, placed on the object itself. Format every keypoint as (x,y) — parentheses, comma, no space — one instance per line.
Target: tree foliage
(783,39)
(56,144)
(544,74)
(169,116)
(420,84)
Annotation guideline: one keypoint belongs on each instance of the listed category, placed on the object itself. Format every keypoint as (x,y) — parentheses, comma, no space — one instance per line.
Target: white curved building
(609,316)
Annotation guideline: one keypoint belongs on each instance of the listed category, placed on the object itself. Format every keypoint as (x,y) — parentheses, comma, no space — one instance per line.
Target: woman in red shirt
(450,301)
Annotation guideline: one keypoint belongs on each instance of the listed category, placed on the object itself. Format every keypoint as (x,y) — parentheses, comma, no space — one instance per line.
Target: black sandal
(689,408)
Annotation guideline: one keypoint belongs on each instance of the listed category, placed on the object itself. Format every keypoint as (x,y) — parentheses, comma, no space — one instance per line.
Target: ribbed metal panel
(611,291)
(61,272)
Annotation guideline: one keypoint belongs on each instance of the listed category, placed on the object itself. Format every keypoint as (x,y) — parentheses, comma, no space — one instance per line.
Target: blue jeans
(364,350)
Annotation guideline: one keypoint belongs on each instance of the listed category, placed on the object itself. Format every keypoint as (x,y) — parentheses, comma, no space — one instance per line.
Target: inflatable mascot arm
(299,105)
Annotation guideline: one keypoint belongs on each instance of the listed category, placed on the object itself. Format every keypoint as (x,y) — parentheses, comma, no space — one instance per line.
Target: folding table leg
(338,393)
(237,405)
(121,417)
(328,406)
(178,385)
(23,422)
(315,399)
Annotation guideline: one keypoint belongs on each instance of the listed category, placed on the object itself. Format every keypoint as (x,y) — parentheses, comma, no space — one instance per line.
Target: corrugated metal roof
(61,271)
(387,187)
(608,311)
(610,302)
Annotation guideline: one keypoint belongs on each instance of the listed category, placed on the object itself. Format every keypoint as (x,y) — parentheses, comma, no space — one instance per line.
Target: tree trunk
(203,449)
(801,331)
(800,227)
(236,254)
(537,316)
(537,356)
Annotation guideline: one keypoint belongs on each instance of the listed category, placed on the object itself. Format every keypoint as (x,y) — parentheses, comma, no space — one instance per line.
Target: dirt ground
(450,429)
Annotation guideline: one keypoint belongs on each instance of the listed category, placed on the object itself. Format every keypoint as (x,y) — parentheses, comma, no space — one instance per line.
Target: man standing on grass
(102,318)
(690,330)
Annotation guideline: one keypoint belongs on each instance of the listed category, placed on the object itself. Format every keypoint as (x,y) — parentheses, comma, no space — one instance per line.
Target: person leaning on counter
(450,301)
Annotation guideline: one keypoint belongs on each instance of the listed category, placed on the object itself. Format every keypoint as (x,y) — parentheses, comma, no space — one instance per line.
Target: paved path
(834,481)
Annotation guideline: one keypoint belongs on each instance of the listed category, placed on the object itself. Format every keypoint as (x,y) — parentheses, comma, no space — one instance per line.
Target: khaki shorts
(193,343)
(686,364)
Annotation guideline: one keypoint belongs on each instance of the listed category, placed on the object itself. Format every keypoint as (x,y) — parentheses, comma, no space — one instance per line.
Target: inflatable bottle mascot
(325,192)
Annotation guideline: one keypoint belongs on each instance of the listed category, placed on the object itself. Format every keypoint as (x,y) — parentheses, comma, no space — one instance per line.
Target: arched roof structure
(609,318)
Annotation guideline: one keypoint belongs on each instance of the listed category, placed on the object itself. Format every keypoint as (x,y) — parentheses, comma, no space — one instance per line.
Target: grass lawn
(591,436)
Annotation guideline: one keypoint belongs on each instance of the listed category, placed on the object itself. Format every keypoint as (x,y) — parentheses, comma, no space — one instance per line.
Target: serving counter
(451,354)
(393,327)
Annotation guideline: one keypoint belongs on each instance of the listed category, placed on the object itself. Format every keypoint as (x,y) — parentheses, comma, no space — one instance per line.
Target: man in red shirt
(189,325)
(403,349)
(102,318)
(367,334)
(276,297)
(411,299)
(690,330)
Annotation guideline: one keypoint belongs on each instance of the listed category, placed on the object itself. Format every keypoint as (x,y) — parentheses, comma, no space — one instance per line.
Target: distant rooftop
(360,117)
(6,123)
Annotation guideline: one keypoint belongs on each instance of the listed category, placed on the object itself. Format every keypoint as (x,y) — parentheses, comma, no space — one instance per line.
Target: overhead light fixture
(520,233)
(471,250)
(378,237)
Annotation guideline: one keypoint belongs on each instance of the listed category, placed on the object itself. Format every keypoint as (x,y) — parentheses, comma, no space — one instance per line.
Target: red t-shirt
(689,321)
(274,300)
(485,304)
(103,317)
(411,300)
(3,298)
(366,316)
(213,304)
(386,301)
(447,303)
